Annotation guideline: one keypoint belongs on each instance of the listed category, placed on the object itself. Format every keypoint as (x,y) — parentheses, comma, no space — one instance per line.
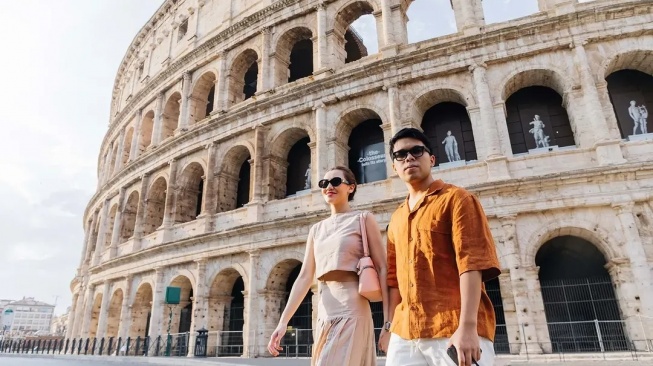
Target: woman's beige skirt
(345,330)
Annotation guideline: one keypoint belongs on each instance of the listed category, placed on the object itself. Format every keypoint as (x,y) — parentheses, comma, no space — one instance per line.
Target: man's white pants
(429,352)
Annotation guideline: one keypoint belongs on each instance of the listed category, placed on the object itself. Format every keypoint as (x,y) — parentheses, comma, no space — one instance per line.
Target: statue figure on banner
(541,140)
(307,185)
(639,114)
(451,147)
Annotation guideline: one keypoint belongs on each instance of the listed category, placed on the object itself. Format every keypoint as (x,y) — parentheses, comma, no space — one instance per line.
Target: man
(440,250)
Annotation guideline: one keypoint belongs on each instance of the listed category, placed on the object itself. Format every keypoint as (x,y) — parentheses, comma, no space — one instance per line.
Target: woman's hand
(274,346)
(384,340)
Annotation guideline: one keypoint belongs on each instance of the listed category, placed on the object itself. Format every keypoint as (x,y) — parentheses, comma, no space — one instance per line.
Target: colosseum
(224,115)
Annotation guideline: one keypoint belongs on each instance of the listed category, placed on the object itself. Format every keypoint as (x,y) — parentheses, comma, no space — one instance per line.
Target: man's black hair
(412,133)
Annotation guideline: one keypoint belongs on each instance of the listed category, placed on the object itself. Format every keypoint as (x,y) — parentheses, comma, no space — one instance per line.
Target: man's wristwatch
(386,326)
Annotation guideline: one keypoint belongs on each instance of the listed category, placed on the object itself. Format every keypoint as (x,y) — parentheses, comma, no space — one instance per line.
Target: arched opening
(226,312)
(497,11)
(234,179)
(129,136)
(501,342)
(243,77)
(631,94)
(147,125)
(111,221)
(537,119)
(95,316)
(299,338)
(449,130)
(579,301)
(189,196)
(429,19)
(367,152)
(356,32)
(141,311)
(182,314)
(171,114)
(129,217)
(155,206)
(298,177)
(113,317)
(294,56)
(201,101)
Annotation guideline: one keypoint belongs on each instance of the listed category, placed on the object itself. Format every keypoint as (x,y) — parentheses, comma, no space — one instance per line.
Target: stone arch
(155,205)
(234,178)
(147,128)
(243,76)
(587,230)
(129,212)
(141,310)
(294,55)
(202,96)
(226,305)
(171,113)
(114,313)
(439,12)
(188,204)
(449,129)
(534,75)
(111,222)
(183,312)
(429,96)
(635,59)
(349,45)
(126,152)
(95,316)
(283,265)
(290,158)
(352,116)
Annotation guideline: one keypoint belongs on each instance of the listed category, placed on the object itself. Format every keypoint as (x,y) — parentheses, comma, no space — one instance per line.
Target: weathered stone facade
(184,128)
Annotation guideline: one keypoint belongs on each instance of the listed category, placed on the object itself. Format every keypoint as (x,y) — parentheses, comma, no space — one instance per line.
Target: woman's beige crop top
(337,243)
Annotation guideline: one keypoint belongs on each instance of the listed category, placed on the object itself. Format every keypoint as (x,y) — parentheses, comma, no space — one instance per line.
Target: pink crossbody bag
(368,278)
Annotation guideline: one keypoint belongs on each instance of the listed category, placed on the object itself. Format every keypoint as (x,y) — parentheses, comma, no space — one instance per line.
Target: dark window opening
(200,197)
(299,160)
(209,102)
(577,291)
(449,130)
(299,338)
(242,196)
(186,315)
(527,110)
(631,94)
(367,152)
(234,321)
(301,60)
(183,29)
(493,290)
(251,77)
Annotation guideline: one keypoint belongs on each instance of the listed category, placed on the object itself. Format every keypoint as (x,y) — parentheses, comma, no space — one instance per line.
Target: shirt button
(412,284)
(410,261)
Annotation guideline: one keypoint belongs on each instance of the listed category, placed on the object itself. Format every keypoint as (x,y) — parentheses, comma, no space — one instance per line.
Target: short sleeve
(392,260)
(472,238)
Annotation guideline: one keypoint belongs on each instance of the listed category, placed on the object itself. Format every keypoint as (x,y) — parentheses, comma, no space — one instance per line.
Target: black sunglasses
(336,181)
(415,151)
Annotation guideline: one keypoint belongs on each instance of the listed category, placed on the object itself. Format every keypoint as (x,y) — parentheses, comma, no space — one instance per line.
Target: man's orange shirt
(445,235)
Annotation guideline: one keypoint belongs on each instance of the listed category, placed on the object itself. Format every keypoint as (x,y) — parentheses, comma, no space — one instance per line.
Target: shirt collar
(434,188)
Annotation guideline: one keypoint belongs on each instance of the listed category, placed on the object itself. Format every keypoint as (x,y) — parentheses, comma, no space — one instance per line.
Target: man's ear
(432,161)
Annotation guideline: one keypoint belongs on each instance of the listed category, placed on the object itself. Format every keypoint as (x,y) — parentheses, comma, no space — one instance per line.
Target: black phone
(453,354)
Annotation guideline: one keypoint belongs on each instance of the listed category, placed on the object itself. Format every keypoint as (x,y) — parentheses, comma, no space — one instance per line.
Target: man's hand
(467,343)
(384,340)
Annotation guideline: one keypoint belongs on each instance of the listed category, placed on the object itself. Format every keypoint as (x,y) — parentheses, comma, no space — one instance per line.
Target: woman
(345,330)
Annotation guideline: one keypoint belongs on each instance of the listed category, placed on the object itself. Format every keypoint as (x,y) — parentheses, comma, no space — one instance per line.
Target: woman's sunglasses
(336,181)
(415,151)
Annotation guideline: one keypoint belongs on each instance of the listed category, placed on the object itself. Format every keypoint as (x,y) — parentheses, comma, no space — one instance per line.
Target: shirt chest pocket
(435,227)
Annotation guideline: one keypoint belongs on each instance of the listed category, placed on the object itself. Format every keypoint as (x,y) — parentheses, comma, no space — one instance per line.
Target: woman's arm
(378,255)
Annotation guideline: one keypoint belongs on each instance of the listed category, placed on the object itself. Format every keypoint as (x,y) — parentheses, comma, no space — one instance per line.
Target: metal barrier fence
(604,337)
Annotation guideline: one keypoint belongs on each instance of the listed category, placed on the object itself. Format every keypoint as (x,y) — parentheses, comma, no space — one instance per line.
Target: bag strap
(366,248)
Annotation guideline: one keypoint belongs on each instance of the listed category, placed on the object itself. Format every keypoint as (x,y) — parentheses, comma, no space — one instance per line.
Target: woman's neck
(340,208)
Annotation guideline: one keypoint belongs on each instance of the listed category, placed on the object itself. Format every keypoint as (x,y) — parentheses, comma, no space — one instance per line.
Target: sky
(59,60)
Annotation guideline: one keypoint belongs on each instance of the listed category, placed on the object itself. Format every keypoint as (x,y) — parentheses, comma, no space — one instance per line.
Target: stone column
(117,225)
(88,232)
(171,193)
(185,100)
(323,62)
(125,311)
(158,119)
(99,244)
(72,315)
(626,292)
(121,146)
(469,16)
(537,313)
(106,169)
(200,305)
(158,299)
(257,193)
(489,136)
(525,313)
(136,137)
(79,312)
(140,212)
(386,24)
(557,7)
(394,109)
(265,74)
(88,311)
(321,150)
(209,196)
(104,310)
(274,302)
(606,140)
(222,88)
(634,248)
(251,330)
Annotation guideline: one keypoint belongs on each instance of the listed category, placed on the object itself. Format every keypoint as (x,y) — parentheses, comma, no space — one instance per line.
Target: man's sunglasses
(415,151)
(336,181)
